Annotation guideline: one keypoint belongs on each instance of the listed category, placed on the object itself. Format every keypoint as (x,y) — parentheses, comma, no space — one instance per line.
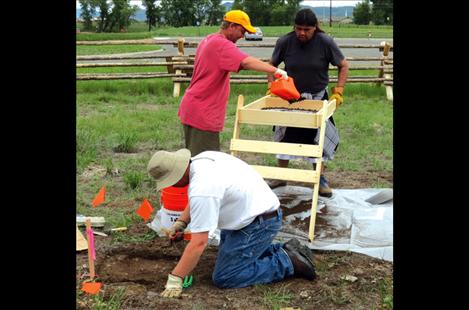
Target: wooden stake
(90,258)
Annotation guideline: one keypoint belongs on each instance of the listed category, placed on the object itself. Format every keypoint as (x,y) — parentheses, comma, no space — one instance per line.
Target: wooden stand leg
(389,94)
(314,203)
(314,208)
(177,86)
(236,123)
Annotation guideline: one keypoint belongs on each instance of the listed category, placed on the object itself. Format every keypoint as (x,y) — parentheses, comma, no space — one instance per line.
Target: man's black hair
(306,17)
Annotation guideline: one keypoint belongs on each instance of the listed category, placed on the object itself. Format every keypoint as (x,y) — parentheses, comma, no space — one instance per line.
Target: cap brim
(181,161)
(250,29)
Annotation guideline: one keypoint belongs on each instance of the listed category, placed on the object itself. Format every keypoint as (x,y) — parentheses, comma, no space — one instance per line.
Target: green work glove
(176,232)
(338,95)
(173,287)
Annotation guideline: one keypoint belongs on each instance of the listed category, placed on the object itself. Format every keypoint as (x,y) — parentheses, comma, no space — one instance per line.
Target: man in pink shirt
(203,107)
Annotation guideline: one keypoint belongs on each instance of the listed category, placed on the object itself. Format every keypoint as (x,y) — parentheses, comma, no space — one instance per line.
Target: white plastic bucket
(169,217)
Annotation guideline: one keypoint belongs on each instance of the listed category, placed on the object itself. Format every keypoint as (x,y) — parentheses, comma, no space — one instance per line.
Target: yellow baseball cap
(239,17)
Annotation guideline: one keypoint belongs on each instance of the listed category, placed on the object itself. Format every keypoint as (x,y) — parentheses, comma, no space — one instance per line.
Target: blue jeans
(247,256)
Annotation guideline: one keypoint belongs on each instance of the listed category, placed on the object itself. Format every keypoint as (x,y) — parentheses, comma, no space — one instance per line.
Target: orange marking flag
(91,287)
(145,210)
(100,197)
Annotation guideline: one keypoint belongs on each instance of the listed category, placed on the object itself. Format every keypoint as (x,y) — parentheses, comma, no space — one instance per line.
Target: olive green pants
(198,141)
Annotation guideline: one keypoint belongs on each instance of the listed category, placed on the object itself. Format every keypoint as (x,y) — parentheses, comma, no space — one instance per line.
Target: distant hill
(139,15)
(227,5)
(323,11)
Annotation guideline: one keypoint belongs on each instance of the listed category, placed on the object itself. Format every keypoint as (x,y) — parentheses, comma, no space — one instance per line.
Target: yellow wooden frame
(253,114)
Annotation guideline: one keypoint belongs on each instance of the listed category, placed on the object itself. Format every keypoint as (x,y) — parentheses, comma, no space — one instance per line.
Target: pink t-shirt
(204,103)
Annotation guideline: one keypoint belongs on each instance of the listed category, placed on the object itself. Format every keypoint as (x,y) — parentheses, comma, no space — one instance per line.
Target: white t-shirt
(226,193)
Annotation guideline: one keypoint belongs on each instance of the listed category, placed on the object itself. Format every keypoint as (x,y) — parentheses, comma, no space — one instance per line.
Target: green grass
(114,49)
(275,298)
(134,179)
(125,143)
(112,303)
(141,116)
(122,69)
(137,31)
(364,121)
(94,36)
(386,292)
(123,237)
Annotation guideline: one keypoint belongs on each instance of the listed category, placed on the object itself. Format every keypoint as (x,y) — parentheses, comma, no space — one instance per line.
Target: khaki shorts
(198,141)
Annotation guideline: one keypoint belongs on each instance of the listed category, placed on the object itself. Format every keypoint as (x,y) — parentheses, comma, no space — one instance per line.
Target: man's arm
(343,73)
(191,255)
(186,264)
(252,63)
(270,76)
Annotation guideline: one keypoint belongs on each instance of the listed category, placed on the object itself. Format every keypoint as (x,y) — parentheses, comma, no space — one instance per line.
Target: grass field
(114,49)
(121,123)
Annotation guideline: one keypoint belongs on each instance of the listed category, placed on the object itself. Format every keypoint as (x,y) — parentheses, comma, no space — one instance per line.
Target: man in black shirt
(307,52)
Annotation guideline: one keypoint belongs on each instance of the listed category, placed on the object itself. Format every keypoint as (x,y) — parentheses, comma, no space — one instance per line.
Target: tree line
(116,15)
(113,15)
(378,12)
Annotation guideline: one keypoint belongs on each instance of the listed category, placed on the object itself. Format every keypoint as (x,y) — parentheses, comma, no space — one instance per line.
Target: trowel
(383,196)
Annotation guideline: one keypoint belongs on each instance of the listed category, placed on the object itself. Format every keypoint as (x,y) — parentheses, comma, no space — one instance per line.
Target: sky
(312,3)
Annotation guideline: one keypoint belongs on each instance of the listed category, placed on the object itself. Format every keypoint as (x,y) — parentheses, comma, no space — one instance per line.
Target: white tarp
(343,222)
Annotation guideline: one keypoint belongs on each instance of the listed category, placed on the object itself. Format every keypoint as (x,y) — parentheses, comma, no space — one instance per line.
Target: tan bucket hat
(167,168)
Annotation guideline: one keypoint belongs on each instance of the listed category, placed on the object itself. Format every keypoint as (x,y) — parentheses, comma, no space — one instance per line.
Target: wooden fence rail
(180,66)
(114,57)
(130,64)
(126,76)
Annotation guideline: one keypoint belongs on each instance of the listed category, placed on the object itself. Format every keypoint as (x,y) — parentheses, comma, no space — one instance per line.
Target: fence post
(384,62)
(177,85)
(181,46)
(386,47)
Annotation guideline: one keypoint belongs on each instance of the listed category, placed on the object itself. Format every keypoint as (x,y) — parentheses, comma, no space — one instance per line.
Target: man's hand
(338,95)
(279,73)
(176,232)
(173,287)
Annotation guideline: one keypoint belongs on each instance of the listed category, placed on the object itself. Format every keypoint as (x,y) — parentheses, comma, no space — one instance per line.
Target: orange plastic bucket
(285,89)
(173,201)
(174,198)
(176,190)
